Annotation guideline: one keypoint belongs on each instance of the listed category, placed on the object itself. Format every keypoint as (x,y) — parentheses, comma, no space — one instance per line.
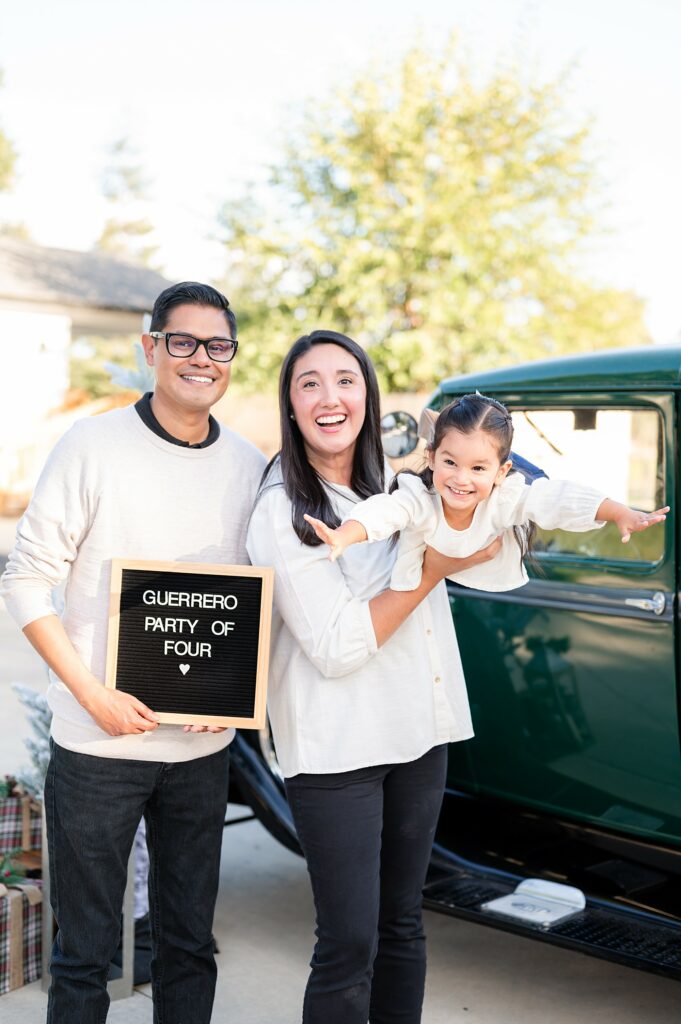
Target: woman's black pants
(367,837)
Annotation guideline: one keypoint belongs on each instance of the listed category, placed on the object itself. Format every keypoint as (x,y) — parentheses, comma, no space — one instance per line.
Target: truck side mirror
(399,433)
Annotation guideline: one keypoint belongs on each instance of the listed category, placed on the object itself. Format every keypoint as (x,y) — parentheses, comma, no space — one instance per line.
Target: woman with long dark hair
(366,690)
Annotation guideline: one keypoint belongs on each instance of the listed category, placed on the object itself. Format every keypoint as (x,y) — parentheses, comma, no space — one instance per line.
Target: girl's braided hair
(468,414)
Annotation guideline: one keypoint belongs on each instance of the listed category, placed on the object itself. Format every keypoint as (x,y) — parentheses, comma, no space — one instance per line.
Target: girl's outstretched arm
(628,520)
(351,532)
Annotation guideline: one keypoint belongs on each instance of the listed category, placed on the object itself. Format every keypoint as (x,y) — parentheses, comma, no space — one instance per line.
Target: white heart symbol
(184,669)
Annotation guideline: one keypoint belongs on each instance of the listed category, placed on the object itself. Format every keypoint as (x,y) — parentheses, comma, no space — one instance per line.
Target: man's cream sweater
(113,489)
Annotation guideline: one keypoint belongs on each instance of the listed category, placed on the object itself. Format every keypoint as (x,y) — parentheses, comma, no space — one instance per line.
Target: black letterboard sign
(191,641)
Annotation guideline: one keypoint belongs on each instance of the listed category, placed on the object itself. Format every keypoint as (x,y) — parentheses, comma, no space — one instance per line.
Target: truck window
(618,451)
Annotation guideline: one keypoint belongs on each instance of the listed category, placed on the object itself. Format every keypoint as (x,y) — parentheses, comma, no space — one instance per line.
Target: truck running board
(601,929)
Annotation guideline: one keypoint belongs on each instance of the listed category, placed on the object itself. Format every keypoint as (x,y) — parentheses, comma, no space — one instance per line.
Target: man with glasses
(158,480)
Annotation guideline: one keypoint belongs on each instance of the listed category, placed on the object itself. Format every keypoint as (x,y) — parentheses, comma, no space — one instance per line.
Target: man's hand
(119,713)
(114,711)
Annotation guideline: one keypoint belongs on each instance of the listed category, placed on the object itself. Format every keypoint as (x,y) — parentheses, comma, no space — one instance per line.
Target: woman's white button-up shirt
(337,701)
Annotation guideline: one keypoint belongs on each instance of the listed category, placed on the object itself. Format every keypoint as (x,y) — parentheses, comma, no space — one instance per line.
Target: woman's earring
(291,416)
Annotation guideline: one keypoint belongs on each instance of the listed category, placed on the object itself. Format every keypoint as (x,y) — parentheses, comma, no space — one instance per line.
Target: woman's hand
(390,608)
(436,566)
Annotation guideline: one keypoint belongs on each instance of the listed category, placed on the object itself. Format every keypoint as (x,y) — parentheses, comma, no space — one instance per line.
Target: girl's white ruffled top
(416,513)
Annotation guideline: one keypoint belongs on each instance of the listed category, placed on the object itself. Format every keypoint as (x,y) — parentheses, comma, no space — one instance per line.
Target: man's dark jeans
(367,836)
(93,806)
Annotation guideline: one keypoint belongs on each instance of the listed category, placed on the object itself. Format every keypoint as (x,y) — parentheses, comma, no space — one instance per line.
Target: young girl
(469,495)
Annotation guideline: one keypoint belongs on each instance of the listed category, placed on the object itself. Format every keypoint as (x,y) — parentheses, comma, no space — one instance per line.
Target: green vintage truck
(574,775)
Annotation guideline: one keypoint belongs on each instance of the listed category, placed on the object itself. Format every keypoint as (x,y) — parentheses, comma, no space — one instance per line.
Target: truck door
(572,678)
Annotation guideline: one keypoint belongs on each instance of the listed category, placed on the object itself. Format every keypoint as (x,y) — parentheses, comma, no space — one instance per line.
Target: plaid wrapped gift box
(20,823)
(20,935)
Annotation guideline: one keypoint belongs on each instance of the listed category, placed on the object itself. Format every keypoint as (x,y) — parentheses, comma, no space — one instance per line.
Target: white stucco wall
(35,360)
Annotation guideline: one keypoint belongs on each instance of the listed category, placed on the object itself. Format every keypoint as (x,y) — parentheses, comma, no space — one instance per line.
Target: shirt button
(429,632)
(437,679)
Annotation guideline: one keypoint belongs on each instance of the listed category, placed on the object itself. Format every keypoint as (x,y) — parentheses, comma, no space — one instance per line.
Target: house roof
(36,274)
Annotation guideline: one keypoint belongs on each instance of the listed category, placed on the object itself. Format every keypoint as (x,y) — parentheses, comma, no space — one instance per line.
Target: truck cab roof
(649,368)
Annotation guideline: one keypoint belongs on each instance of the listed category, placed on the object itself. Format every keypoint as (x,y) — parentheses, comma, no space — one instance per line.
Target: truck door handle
(655,604)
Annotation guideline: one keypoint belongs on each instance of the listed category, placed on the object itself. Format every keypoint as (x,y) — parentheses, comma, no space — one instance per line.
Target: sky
(206,91)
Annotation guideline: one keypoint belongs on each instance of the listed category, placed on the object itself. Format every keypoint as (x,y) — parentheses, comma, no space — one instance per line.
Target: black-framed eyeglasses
(220,350)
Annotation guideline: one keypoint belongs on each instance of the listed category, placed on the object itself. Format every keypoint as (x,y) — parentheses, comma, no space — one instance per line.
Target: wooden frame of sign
(191,640)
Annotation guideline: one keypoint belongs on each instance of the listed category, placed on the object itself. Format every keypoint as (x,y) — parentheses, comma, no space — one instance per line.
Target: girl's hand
(327,535)
(351,532)
(629,520)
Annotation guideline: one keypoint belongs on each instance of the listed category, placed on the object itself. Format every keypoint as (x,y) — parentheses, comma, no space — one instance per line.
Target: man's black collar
(146,414)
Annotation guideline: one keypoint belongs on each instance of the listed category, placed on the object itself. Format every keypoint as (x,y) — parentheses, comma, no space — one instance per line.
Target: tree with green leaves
(7,158)
(438,218)
(127,232)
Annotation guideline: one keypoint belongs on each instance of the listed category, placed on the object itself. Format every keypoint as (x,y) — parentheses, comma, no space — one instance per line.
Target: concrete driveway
(264,927)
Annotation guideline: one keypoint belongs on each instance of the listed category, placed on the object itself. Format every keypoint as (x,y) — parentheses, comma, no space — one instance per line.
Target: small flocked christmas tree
(38,745)
(141,379)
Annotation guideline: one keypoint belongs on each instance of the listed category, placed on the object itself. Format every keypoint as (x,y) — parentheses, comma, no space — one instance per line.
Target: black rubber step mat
(601,930)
